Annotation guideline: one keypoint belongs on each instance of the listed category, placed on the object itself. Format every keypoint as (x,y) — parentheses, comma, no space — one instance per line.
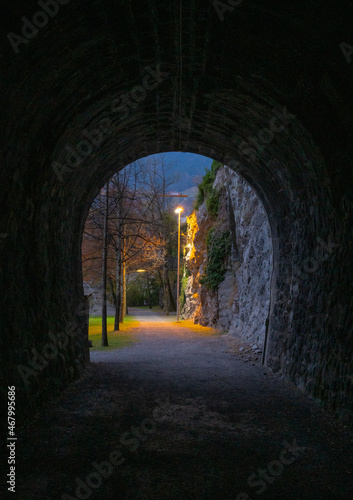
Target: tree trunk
(112,289)
(104,270)
(148,290)
(161,291)
(118,272)
(117,292)
(122,280)
(166,296)
(124,289)
(170,293)
(122,296)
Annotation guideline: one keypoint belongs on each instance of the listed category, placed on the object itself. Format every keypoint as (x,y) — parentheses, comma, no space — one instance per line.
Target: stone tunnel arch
(214,91)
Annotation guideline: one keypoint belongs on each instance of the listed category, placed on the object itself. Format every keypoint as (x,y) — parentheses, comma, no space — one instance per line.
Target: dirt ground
(180,416)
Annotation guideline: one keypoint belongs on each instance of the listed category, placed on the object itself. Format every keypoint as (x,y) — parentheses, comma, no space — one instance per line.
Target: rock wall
(240,305)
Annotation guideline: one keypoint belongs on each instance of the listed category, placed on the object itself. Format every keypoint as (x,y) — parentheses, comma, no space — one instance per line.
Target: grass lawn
(116,340)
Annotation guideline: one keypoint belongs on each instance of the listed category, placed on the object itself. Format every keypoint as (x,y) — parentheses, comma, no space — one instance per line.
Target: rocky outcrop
(240,304)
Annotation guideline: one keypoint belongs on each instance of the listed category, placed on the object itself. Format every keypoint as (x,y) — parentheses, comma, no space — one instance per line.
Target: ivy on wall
(184,283)
(212,203)
(218,247)
(206,190)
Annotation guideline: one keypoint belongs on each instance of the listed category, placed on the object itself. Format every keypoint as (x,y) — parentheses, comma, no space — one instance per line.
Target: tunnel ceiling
(223,76)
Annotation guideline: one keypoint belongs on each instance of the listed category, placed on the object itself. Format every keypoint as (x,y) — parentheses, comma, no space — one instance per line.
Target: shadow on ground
(179,416)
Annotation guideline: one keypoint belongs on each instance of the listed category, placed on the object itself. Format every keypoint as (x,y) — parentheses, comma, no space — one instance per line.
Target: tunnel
(267,89)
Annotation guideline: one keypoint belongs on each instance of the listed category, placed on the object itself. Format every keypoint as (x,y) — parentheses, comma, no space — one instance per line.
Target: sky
(191,168)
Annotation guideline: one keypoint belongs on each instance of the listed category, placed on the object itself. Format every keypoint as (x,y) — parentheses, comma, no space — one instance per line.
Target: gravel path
(181,416)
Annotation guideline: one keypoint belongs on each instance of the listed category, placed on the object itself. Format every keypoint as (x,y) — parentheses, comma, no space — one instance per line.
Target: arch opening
(225,285)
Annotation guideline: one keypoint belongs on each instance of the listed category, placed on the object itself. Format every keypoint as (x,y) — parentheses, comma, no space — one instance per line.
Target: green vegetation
(183,286)
(206,189)
(218,246)
(116,340)
(138,293)
(212,203)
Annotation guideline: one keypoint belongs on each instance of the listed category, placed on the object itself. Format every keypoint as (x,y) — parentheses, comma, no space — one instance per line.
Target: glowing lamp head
(179,210)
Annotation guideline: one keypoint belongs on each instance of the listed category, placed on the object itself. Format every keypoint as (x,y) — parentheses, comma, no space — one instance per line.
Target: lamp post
(178,211)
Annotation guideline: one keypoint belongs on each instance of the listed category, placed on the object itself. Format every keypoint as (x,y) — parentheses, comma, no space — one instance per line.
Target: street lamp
(178,211)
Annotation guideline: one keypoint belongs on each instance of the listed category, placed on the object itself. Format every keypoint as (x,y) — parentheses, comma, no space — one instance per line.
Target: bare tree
(104,269)
(138,230)
(118,268)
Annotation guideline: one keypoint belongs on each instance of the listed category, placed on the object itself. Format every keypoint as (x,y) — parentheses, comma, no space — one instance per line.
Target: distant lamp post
(178,211)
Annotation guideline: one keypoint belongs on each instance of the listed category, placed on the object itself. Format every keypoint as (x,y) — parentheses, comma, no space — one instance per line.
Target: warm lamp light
(179,210)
